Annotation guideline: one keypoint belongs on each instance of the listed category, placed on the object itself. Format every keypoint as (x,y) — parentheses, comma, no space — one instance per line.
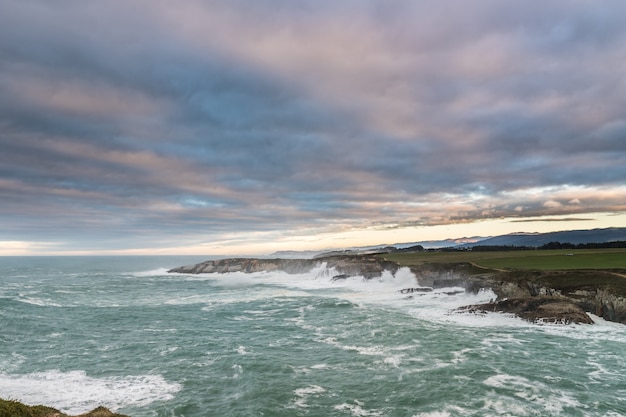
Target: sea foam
(76,392)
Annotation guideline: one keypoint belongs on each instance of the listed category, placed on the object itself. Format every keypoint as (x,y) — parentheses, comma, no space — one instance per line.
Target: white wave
(42,302)
(442,306)
(357,289)
(439,305)
(75,392)
(524,391)
(303,394)
(311,389)
(237,371)
(151,273)
(393,360)
(357,409)
(389,355)
(8,364)
(443,413)
(235,280)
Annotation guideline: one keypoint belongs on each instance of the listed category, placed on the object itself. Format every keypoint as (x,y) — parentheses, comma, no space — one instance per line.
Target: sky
(249,126)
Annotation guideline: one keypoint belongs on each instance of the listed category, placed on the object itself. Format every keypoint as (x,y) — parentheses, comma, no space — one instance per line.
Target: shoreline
(574,291)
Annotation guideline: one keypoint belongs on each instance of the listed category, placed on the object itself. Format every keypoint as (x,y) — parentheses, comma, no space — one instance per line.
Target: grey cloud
(142,116)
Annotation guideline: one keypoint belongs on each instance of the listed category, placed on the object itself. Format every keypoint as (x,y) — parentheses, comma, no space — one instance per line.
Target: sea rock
(539,309)
(415,289)
(340,277)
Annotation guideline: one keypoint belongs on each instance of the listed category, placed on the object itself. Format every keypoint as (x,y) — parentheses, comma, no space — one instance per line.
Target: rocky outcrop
(344,266)
(10,408)
(601,292)
(539,309)
(602,302)
(247,265)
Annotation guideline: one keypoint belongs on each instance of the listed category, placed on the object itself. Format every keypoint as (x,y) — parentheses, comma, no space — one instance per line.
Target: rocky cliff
(601,292)
(366,266)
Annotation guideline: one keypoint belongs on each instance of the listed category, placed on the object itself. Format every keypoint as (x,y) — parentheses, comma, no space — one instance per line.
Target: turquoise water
(78,332)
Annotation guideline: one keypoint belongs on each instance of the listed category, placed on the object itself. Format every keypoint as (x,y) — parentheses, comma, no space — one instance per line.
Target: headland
(539,295)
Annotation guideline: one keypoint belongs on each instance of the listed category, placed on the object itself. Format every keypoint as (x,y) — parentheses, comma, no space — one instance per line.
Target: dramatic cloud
(144,124)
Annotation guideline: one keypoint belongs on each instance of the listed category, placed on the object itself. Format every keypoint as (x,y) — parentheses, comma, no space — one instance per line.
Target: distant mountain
(446,243)
(514,239)
(570,236)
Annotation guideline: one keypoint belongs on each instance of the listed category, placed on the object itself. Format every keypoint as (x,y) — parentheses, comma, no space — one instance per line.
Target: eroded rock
(539,309)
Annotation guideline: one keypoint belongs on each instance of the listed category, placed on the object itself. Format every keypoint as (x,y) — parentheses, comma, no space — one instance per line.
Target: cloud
(552,204)
(564,219)
(126,121)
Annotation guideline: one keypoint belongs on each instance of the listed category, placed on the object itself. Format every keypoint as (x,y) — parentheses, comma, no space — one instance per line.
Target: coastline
(569,294)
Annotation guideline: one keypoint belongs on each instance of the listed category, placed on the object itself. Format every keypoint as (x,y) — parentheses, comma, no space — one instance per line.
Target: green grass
(545,260)
(11,408)
(561,260)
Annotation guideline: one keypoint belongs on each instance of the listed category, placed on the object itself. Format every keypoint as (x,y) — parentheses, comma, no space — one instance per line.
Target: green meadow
(545,260)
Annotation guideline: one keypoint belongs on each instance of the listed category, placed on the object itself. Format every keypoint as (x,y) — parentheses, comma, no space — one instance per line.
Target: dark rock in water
(340,277)
(416,289)
(536,310)
(454,292)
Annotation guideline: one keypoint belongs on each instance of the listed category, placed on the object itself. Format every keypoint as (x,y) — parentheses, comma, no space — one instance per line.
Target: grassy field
(545,260)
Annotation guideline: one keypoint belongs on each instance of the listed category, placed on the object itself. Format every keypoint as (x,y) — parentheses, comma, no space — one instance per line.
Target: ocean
(79,332)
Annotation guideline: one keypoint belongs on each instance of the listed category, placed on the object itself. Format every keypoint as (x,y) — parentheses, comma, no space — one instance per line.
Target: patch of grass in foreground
(11,408)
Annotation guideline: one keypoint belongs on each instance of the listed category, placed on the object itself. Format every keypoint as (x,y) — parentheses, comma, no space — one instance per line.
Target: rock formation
(539,309)
(601,292)
(344,266)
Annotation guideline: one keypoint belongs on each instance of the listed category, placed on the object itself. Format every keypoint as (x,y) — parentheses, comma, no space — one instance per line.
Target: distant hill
(570,236)
(514,239)
(446,243)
